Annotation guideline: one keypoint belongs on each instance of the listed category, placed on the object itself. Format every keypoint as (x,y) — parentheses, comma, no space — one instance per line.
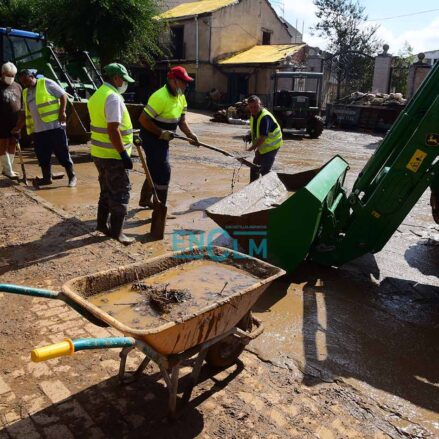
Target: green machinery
(76,73)
(311,214)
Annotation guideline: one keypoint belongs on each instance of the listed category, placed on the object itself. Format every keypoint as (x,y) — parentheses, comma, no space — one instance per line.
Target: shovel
(242,160)
(23,169)
(159,210)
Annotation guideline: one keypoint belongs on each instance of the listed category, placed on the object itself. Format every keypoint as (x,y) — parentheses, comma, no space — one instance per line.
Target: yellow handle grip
(45,353)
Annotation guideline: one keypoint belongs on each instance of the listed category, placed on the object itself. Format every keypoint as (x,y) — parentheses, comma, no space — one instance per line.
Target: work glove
(247,138)
(166,135)
(126,160)
(194,140)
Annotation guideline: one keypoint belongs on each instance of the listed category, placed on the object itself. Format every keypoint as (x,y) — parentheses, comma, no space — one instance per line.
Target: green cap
(114,69)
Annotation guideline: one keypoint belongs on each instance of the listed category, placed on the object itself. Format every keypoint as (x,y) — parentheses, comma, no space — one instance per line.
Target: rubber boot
(434,201)
(146,195)
(162,195)
(7,166)
(102,220)
(47,176)
(72,177)
(117,221)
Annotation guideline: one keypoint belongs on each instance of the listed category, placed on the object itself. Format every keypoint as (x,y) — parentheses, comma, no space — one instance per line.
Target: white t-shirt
(114,106)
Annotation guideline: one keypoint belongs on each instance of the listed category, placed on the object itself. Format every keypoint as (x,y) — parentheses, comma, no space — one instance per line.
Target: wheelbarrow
(217,332)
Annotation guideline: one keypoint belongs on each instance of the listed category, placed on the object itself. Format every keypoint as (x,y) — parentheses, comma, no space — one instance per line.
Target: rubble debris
(376,99)
(160,297)
(237,112)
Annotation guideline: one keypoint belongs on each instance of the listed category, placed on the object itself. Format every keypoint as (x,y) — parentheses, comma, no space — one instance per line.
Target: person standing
(111,144)
(45,117)
(265,136)
(164,112)
(10,107)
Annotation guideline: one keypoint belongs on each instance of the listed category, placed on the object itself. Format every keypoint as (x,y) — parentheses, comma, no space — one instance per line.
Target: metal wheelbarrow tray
(216,333)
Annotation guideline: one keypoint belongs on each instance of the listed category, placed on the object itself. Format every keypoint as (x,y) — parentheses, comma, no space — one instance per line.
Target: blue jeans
(265,161)
(53,142)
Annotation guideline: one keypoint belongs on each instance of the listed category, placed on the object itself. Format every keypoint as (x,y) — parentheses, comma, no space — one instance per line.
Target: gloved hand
(126,160)
(194,138)
(247,138)
(166,135)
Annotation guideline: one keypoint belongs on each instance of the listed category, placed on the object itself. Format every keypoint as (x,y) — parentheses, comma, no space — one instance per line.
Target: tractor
(294,106)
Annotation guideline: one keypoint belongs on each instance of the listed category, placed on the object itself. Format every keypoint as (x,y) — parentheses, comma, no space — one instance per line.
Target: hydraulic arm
(391,183)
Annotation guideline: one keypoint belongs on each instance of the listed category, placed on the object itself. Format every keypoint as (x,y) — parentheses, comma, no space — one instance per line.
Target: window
(266,38)
(177,42)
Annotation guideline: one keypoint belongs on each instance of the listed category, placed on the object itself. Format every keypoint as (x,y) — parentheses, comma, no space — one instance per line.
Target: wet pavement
(374,323)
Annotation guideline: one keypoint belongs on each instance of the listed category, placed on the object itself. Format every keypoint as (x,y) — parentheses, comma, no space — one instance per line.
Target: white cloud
(423,39)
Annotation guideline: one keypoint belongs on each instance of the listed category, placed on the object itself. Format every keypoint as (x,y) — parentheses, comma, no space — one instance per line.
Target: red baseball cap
(179,72)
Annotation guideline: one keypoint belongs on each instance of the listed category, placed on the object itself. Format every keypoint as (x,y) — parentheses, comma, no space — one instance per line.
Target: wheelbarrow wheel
(226,352)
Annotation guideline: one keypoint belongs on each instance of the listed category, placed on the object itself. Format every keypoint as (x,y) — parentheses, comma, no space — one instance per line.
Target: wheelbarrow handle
(28,291)
(47,294)
(69,347)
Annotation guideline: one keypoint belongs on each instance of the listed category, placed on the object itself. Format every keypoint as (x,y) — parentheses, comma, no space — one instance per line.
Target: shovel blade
(158,221)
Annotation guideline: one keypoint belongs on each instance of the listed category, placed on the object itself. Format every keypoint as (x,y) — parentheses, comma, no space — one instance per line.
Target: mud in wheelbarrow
(214,325)
(279,216)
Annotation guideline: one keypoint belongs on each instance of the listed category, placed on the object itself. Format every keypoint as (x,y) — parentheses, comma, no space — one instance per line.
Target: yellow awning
(263,54)
(195,8)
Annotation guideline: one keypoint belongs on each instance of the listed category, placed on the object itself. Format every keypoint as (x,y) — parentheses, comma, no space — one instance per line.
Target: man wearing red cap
(165,111)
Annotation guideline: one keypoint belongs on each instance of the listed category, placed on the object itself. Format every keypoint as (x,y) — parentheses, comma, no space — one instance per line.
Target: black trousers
(115,185)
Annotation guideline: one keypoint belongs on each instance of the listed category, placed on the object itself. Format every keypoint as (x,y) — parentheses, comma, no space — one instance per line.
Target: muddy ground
(346,353)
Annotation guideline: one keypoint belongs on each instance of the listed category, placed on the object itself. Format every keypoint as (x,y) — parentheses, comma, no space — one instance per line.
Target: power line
(405,15)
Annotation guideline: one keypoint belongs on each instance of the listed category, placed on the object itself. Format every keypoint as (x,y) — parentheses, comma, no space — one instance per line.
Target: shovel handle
(69,347)
(138,142)
(221,151)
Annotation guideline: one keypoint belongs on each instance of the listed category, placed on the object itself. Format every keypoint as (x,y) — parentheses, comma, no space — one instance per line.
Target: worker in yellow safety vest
(111,143)
(265,137)
(164,112)
(45,117)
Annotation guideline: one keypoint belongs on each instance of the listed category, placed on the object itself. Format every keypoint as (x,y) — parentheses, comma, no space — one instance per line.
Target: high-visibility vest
(273,140)
(166,109)
(47,105)
(101,145)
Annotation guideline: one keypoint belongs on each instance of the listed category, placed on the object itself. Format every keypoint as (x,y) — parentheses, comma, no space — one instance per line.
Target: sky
(419,29)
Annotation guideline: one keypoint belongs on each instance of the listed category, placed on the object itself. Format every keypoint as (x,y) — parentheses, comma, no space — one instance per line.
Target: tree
(122,30)
(350,41)
(400,68)
(19,14)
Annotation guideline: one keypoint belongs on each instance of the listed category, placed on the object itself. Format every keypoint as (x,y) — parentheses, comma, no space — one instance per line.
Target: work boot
(116,221)
(162,195)
(7,166)
(47,177)
(146,195)
(102,220)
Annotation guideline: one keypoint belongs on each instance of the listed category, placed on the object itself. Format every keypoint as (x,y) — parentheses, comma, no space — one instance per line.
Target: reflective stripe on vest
(174,107)
(273,140)
(101,145)
(47,105)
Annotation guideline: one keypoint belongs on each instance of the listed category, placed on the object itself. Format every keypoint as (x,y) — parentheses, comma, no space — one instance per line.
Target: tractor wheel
(226,352)
(315,127)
